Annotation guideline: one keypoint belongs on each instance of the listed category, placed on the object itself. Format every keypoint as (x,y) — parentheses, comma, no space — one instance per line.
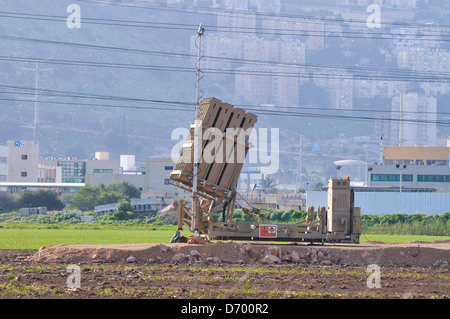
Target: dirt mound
(430,254)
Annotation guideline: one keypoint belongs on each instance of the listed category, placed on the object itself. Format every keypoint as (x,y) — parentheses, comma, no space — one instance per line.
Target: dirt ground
(228,270)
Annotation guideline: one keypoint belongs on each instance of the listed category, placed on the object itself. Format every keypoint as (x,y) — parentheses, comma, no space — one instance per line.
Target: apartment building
(424,60)
(416,125)
(339,86)
(311,30)
(23,159)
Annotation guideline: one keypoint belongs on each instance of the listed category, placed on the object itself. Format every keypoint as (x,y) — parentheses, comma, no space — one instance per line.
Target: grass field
(32,239)
(390,239)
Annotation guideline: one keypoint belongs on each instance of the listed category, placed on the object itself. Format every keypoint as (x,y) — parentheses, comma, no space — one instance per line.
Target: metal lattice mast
(195,199)
(36,98)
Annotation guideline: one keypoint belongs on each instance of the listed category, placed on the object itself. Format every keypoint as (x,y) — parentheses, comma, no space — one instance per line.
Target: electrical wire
(96,47)
(260,107)
(196,9)
(69,94)
(366,73)
(340,71)
(373,34)
(400,76)
(98,21)
(253,108)
(263,109)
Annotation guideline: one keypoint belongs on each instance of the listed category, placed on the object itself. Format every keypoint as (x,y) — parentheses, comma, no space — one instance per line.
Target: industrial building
(22,169)
(412,167)
(99,170)
(144,205)
(78,171)
(407,180)
(392,202)
(408,168)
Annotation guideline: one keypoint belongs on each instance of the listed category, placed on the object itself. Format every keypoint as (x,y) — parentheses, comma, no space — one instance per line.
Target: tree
(267,185)
(317,186)
(40,198)
(124,208)
(90,196)
(125,188)
(85,198)
(109,198)
(7,202)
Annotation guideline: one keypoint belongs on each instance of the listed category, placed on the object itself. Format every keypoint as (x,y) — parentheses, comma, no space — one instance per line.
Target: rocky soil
(421,254)
(228,270)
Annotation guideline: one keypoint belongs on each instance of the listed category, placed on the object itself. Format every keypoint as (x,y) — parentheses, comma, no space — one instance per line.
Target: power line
(280,108)
(195,9)
(189,56)
(68,94)
(346,117)
(339,76)
(255,108)
(381,35)
(97,21)
(381,74)
(129,66)
(160,108)
(373,35)
(96,47)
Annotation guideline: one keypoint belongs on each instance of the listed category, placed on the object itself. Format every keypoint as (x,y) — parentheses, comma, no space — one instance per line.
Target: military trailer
(221,154)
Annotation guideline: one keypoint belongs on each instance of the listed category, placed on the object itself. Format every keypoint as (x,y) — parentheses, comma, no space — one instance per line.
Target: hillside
(125,80)
(74,126)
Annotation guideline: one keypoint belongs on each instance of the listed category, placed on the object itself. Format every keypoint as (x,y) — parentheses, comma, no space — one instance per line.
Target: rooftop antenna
(195,199)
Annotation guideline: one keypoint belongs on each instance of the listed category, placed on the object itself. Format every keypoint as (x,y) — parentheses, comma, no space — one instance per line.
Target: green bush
(89,196)
(40,198)
(414,224)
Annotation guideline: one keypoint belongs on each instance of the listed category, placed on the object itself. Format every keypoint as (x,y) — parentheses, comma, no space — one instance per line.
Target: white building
(416,125)
(4,154)
(249,180)
(128,163)
(158,176)
(23,161)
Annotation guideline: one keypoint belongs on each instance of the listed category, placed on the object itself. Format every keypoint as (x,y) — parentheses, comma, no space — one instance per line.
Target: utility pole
(381,150)
(401,167)
(400,130)
(195,200)
(300,162)
(36,99)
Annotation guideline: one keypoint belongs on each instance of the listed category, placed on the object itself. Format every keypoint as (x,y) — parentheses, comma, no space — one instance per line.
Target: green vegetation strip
(31,239)
(30,233)
(34,238)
